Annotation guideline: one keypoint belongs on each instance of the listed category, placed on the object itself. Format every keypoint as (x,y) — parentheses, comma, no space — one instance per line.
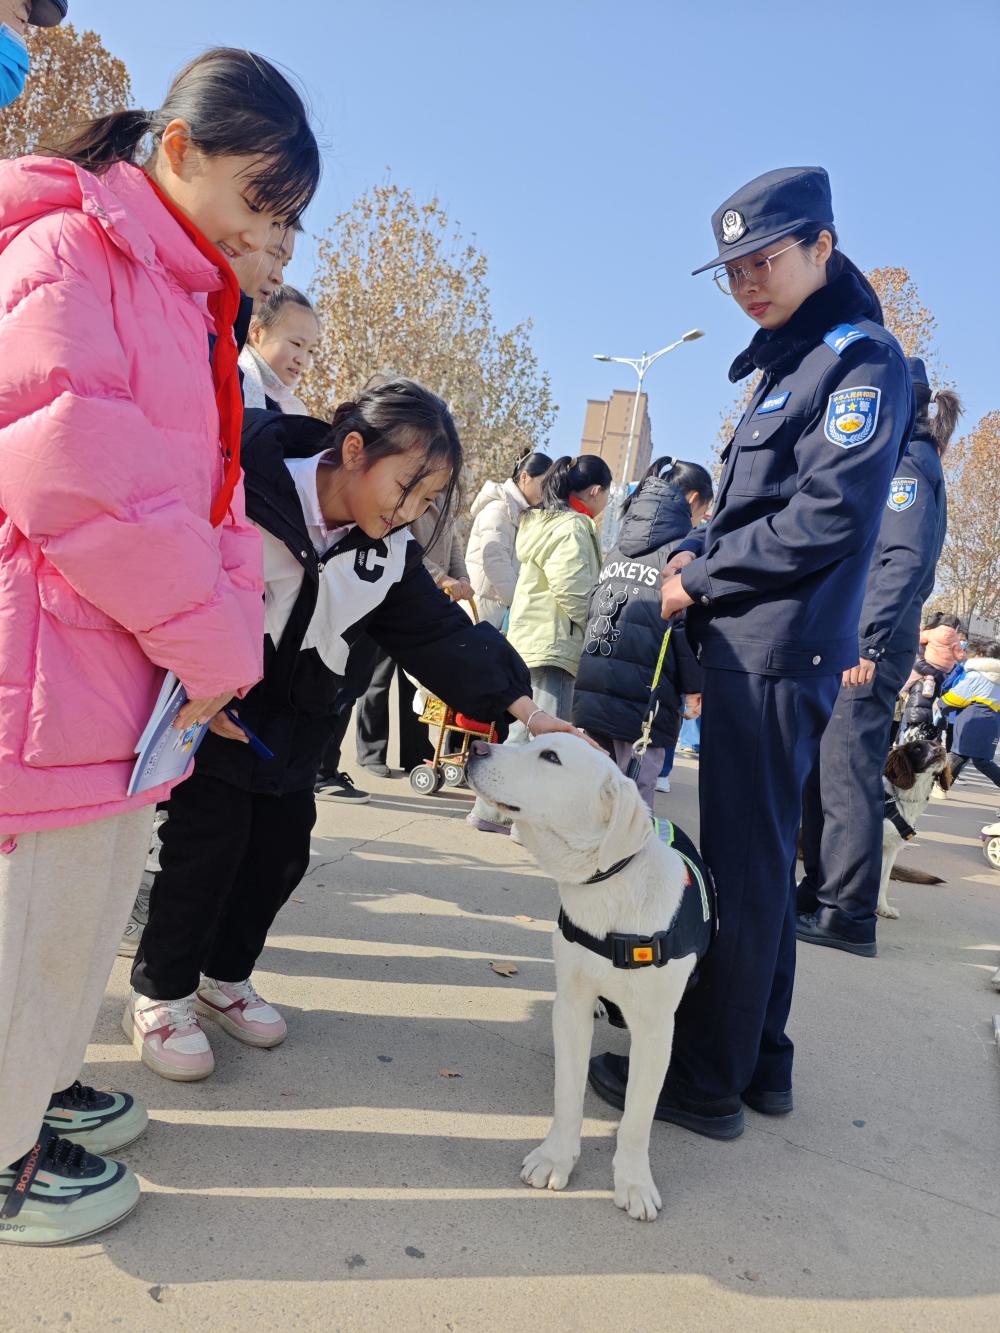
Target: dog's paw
(888,911)
(546,1168)
(637,1195)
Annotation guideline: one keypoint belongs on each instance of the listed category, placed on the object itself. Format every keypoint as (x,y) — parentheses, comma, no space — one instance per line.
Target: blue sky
(584,144)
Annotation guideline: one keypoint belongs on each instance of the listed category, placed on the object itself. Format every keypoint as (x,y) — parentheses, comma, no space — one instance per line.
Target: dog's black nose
(479,748)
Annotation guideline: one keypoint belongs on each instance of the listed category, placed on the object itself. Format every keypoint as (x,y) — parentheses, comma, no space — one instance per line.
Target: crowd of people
(286,568)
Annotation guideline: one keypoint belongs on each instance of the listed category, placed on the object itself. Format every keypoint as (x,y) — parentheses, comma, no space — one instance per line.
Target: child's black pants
(229,861)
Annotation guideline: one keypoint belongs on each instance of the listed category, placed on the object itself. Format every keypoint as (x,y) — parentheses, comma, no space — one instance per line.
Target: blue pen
(254,741)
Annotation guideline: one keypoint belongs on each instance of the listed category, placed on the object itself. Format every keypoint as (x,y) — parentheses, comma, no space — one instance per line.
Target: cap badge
(733,226)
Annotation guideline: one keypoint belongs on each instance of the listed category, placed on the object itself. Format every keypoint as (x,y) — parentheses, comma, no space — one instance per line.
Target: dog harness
(891,811)
(691,930)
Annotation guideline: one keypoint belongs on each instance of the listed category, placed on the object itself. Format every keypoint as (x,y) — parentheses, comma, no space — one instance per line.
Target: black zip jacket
(294,707)
(625,629)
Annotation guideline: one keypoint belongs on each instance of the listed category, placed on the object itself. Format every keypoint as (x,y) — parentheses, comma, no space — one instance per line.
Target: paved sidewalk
(342,1182)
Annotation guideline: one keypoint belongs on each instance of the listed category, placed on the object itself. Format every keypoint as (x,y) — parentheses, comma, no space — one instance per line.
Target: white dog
(912,769)
(587,827)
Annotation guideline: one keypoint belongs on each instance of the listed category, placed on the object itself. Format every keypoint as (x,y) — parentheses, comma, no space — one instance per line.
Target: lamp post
(640,365)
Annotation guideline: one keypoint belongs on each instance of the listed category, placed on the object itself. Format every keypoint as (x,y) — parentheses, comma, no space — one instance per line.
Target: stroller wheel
(453,775)
(425,779)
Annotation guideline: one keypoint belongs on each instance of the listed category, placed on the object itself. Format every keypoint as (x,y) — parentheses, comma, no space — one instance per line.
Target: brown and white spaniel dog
(913,767)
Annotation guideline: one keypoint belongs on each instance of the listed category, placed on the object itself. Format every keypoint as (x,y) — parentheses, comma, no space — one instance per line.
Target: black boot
(714,1119)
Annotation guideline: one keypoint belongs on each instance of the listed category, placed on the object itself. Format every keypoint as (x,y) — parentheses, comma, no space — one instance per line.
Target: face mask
(13,65)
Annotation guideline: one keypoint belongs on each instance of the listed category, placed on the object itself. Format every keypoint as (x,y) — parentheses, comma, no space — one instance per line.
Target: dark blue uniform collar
(774,350)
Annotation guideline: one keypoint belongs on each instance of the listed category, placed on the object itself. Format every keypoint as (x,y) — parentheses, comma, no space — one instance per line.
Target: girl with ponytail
(124,552)
(560,558)
(496,512)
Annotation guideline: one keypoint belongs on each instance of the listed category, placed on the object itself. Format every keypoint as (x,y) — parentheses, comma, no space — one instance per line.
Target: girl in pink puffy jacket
(124,551)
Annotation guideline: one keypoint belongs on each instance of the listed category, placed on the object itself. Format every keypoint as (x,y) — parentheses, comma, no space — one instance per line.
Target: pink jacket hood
(110,570)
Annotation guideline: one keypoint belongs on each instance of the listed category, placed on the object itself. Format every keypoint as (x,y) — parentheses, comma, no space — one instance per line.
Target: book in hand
(165,753)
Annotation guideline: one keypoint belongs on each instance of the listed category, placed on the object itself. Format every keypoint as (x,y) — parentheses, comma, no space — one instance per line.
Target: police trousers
(760,736)
(842,805)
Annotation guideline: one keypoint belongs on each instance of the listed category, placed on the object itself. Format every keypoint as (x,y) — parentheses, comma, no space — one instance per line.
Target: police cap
(48,13)
(918,371)
(779,203)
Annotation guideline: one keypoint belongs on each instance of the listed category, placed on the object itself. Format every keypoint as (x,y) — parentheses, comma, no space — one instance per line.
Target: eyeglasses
(731,279)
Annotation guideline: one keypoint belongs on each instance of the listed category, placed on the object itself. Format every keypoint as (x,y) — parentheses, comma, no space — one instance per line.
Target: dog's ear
(627,820)
(899,768)
(944,778)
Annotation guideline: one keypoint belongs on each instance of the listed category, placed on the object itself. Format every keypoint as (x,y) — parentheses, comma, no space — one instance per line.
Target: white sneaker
(239,1010)
(168,1037)
(662,784)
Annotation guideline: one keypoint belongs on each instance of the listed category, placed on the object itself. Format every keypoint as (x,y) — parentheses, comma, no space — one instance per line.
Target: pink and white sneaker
(168,1037)
(239,1010)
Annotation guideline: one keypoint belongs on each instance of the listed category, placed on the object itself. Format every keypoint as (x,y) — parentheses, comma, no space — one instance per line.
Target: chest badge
(852,416)
(902,493)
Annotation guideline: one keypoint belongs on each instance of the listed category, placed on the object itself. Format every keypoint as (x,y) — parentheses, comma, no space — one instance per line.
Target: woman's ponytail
(838,264)
(567,476)
(99,143)
(534,463)
(941,426)
(947,409)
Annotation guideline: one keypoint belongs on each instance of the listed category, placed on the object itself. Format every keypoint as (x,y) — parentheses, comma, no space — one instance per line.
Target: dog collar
(611,870)
(891,811)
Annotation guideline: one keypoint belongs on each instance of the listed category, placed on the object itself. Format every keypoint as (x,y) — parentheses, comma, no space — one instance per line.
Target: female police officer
(843,803)
(775,599)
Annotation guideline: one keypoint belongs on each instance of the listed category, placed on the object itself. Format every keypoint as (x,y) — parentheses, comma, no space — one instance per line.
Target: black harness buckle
(631,951)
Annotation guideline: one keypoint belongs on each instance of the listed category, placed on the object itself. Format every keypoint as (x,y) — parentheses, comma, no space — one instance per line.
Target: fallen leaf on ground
(298,900)
(449,1073)
(524,918)
(504,969)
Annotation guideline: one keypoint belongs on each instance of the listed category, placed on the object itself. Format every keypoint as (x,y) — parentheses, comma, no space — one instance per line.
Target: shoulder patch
(902,493)
(852,415)
(840,338)
(774,404)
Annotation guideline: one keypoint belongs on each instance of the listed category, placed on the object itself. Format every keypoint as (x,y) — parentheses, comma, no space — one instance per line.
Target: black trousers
(988,767)
(228,863)
(373,720)
(760,737)
(330,766)
(842,805)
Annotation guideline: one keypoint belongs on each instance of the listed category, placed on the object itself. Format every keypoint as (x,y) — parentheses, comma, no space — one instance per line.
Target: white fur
(576,818)
(911,802)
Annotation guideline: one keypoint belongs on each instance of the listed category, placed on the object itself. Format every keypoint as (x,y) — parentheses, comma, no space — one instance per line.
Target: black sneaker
(608,1076)
(340,787)
(810,931)
(57,1192)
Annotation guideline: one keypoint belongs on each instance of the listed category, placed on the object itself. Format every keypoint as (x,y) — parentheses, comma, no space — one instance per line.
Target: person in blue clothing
(624,633)
(775,599)
(842,805)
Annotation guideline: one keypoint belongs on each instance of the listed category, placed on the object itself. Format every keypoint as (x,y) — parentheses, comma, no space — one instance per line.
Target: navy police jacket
(376,587)
(625,630)
(909,543)
(779,586)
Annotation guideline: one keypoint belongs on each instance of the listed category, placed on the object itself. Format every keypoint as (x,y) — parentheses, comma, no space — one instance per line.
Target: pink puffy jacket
(109,459)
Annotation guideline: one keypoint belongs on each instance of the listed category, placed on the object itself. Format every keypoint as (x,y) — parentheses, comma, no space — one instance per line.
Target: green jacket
(560,560)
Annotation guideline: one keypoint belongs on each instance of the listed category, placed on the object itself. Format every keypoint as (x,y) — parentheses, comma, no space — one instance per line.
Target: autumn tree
(968,573)
(72,78)
(398,288)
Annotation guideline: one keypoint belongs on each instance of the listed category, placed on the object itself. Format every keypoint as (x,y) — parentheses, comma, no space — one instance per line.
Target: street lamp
(640,364)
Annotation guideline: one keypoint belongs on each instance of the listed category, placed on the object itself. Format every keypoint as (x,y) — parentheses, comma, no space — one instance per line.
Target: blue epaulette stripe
(840,338)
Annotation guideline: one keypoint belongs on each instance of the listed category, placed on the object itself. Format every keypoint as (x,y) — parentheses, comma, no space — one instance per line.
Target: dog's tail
(908,875)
